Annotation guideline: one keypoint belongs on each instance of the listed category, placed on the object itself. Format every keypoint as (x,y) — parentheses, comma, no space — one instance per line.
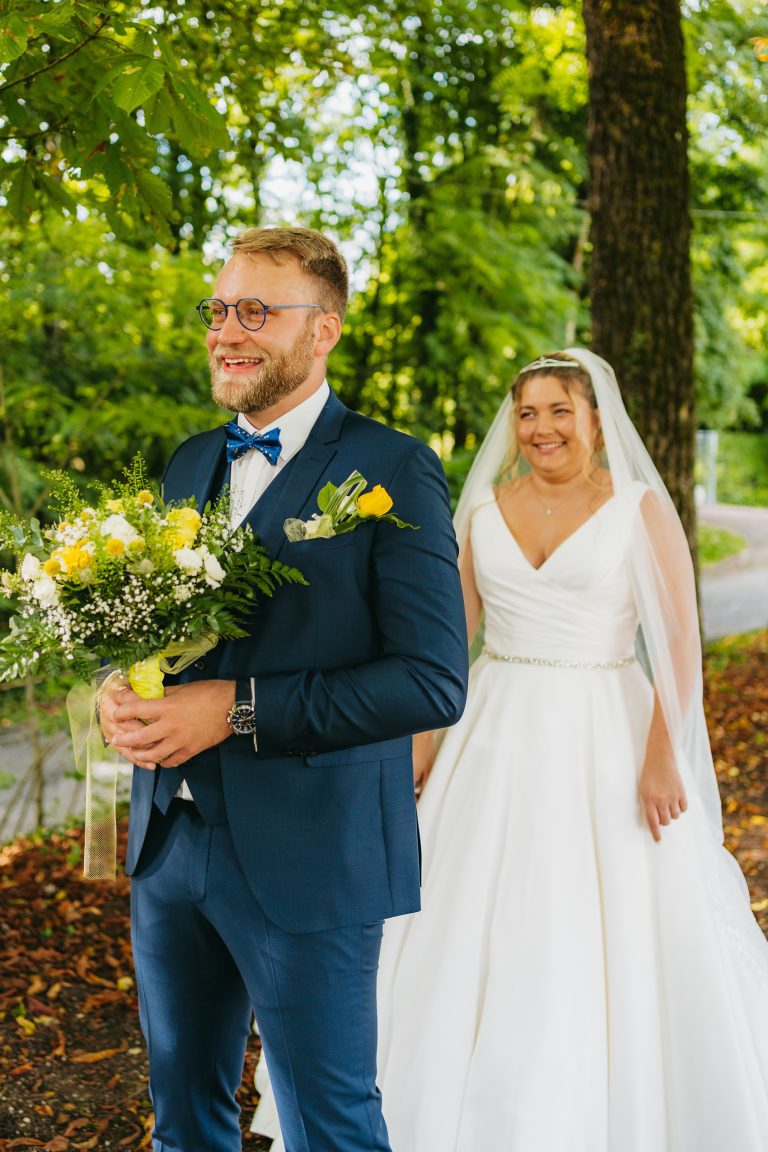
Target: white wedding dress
(570,985)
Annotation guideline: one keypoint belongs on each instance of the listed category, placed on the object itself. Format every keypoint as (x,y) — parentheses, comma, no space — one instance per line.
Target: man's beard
(275,378)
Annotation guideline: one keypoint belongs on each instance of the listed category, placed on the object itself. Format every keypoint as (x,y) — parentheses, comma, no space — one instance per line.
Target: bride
(586,975)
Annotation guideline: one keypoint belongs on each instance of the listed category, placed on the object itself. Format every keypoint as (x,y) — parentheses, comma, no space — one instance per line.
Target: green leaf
(137,84)
(154,192)
(324,495)
(21,194)
(158,111)
(199,127)
(116,172)
(56,192)
(14,34)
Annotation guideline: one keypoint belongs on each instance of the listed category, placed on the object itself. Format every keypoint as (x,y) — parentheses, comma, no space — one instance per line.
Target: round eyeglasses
(251,313)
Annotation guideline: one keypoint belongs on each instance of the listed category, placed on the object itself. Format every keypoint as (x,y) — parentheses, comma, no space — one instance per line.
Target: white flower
(319,526)
(144,567)
(182,593)
(30,567)
(118,527)
(44,591)
(214,573)
(188,559)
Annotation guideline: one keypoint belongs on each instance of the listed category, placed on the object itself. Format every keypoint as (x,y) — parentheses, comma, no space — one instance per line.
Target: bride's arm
(662,795)
(424,748)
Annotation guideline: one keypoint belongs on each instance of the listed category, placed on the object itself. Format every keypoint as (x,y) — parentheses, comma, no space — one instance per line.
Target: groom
(273,825)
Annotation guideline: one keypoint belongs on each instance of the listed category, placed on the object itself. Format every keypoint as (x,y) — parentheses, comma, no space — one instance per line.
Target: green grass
(716,544)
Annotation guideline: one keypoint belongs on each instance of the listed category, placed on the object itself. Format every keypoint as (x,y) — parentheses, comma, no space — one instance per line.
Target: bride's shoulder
(507,492)
(485,497)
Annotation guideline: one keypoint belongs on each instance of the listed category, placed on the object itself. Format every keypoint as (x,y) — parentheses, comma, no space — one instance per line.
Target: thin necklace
(555,507)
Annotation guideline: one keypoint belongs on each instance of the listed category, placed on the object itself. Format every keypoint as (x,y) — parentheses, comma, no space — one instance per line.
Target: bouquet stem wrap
(98,762)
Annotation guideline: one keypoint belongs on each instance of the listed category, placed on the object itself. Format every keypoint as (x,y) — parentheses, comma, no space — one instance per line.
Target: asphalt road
(734,593)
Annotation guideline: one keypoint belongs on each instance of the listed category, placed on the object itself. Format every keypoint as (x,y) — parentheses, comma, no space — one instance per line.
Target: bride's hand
(423,759)
(662,794)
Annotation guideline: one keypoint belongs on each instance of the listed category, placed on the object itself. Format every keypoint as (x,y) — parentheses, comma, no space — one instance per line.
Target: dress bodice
(578,605)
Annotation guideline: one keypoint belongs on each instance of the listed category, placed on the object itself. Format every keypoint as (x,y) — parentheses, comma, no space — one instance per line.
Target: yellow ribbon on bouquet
(98,762)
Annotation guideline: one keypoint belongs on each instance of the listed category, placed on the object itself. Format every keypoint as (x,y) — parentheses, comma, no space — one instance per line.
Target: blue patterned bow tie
(239,442)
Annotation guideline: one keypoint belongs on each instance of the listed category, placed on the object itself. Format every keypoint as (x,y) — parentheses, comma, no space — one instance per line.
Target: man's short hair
(318,256)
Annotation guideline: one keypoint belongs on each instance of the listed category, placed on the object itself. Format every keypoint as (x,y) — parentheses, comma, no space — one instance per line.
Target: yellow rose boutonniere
(342,508)
(377,502)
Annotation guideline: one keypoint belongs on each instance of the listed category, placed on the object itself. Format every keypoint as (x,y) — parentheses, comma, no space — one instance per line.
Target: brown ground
(72,1066)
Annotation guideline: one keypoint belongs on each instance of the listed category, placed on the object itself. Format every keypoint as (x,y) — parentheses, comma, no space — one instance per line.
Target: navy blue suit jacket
(346,669)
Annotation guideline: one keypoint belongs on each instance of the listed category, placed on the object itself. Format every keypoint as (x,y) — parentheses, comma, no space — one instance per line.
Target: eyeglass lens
(250,313)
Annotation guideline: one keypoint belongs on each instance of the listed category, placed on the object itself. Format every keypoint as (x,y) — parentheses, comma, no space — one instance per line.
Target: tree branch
(59,59)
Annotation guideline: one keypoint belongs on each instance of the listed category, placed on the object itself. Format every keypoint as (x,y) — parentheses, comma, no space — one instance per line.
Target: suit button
(200,664)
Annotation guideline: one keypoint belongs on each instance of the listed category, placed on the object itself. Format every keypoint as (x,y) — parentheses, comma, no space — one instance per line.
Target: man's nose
(232,330)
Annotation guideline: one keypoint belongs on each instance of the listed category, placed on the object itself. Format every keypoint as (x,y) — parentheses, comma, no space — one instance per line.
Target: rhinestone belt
(542,661)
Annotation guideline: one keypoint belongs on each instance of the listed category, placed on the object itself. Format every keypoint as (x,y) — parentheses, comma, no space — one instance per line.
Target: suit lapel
(211,470)
(294,491)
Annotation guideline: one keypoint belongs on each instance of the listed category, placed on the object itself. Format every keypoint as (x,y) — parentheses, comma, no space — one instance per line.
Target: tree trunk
(640,283)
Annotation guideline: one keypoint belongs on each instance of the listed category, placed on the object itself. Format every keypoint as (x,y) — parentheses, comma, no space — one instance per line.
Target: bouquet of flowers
(128,579)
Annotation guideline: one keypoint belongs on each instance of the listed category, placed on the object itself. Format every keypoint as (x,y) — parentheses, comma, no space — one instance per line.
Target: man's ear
(328,333)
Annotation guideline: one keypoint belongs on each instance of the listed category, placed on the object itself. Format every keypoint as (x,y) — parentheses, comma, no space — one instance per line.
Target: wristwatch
(242,715)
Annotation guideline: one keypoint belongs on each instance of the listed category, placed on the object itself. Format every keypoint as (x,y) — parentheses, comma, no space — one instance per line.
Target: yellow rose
(71,558)
(114,505)
(115,547)
(374,503)
(185,523)
(180,538)
(144,497)
(189,517)
(146,678)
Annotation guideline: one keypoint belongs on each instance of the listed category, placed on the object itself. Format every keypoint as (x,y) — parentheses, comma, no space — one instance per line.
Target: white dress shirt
(252,474)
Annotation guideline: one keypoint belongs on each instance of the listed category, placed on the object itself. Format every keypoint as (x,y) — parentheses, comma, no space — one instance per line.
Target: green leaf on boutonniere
(324,496)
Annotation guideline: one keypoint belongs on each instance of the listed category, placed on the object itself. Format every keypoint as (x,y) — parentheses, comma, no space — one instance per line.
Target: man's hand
(169,731)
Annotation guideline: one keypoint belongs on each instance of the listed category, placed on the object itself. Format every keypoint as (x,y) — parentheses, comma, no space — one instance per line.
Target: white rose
(44,591)
(30,567)
(214,573)
(188,559)
(182,593)
(320,526)
(118,527)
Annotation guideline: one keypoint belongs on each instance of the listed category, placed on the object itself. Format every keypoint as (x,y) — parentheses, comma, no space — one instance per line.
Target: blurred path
(734,593)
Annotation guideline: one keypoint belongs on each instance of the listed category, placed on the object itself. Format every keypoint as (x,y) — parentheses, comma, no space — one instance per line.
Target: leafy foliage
(444,145)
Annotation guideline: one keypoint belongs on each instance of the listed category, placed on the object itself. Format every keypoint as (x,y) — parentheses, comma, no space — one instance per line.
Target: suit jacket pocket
(318,544)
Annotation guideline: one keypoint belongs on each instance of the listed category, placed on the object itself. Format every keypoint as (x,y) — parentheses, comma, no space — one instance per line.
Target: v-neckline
(562,543)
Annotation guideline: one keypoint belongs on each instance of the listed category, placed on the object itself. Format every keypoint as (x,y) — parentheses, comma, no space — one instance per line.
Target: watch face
(242,719)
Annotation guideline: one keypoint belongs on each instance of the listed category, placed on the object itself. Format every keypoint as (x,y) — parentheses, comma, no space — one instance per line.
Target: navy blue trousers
(205,957)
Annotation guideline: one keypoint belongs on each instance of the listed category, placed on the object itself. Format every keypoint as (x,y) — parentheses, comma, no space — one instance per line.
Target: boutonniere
(342,508)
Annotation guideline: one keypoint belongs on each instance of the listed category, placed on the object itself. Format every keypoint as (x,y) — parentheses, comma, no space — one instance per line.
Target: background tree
(640,280)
